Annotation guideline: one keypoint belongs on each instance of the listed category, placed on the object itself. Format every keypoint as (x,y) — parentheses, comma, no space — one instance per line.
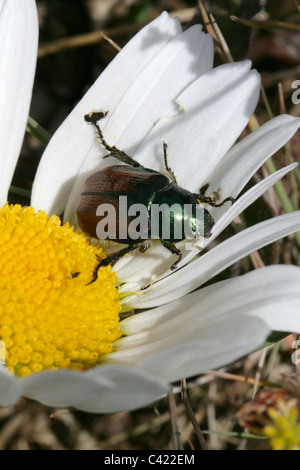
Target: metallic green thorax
(185,215)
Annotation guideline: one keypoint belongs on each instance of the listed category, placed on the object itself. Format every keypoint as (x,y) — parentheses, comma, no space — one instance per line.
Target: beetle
(144,186)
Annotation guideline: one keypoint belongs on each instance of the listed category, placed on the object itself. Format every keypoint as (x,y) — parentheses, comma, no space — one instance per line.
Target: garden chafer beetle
(120,191)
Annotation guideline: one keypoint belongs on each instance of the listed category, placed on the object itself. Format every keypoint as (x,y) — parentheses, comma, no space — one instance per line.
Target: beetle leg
(112,259)
(174,250)
(143,248)
(208,200)
(75,275)
(169,171)
(153,280)
(113,151)
(122,156)
(203,189)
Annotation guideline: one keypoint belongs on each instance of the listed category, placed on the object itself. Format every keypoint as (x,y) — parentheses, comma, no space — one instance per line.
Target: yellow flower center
(50,316)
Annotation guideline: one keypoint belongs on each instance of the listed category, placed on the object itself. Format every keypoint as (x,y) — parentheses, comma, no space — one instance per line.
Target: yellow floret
(284,429)
(50,316)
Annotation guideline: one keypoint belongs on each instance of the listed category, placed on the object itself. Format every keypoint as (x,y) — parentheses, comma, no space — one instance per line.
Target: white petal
(151,95)
(185,58)
(212,326)
(244,158)
(225,254)
(285,312)
(243,294)
(247,199)
(215,109)
(133,388)
(62,387)
(10,388)
(140,267)
(105,389)
(149,319)
(74,139)
(220,344)
(18,45)
(106,94)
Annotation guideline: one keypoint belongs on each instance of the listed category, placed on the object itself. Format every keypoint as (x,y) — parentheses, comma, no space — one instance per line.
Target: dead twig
(266,24)
(192,417)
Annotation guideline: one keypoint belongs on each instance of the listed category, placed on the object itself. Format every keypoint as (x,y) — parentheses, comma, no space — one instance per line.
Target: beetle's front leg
(202,199)
(208,200)
(174,250)
(93,118)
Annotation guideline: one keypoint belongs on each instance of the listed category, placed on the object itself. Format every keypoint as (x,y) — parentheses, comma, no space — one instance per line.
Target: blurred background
(72,54)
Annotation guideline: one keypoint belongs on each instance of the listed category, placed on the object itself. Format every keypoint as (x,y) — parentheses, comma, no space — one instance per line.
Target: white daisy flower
(160,87)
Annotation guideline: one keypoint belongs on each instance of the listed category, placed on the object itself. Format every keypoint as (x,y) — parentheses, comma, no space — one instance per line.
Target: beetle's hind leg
(168,169)
(112,259)
(93,118)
